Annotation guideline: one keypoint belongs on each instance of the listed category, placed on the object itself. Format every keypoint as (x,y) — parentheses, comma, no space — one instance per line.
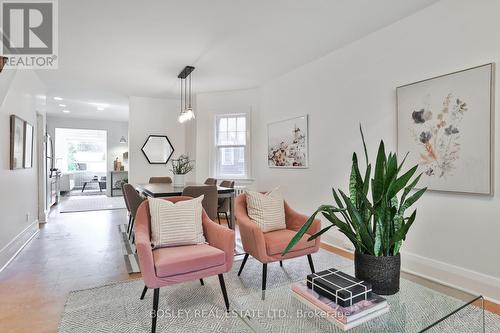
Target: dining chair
(209,202)
(267,247)
(170,265)
(160,180)
(223,203)
(134,201)
(210,181)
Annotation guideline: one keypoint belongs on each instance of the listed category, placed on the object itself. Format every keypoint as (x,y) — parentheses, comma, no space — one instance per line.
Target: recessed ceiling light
(62,105)
(58,98)
(66,111)
(100,108)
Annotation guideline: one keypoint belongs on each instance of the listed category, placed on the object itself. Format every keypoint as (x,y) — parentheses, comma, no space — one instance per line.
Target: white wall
(455,237)
(115,130)
(23,94)
(208,106)
(152,116)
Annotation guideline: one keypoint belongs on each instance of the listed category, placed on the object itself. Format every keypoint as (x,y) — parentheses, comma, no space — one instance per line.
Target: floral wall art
(288,143)
(445,125)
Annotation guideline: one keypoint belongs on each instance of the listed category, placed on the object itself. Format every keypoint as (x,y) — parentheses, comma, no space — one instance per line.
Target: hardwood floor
(73,251)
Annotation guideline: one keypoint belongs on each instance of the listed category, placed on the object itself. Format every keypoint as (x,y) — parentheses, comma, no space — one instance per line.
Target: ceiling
(109,50)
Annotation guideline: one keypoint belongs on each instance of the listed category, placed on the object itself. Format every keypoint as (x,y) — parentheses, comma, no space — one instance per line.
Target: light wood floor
(73,251)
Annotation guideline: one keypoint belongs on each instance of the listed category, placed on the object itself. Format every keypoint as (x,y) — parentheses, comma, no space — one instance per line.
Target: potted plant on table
(376,227)
(180,168)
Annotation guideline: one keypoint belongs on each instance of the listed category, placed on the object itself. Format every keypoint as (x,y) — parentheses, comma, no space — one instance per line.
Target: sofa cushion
(276,241)
(174,224)
(185,259)
(266,210)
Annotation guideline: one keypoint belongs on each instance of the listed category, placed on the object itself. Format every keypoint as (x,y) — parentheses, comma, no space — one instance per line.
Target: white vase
(179,180)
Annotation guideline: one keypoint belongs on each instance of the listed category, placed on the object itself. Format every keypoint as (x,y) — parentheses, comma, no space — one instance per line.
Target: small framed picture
(16,142)
(28,145)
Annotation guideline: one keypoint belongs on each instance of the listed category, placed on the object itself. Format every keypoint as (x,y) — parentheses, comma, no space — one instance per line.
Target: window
(231,146)
(80,150)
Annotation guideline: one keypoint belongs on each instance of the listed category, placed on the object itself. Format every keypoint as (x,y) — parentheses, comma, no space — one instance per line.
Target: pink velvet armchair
(267,247)
(166,266)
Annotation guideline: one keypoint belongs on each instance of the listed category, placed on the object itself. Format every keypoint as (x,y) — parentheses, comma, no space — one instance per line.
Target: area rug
(132,261)
(75,204)
(190,307)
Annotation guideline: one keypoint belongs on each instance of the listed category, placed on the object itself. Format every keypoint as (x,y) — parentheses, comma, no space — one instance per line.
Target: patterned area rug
(190,307)
(75,204)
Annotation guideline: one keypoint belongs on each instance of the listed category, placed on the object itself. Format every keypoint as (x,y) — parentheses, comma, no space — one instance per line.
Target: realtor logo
(29,33)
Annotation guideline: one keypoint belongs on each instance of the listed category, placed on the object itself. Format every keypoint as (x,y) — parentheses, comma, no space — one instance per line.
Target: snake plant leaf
(358,221)
(301,232)
(391,170)
(401,234)
(353,181)
(399,183)
(378,179)
(366,180)
(403,162)
(377,251)
(407,190)
(412,199)
(364,143)
(344,227)
(319,233)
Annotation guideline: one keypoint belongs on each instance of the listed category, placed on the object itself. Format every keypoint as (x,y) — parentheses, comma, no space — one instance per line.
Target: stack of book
(341,298)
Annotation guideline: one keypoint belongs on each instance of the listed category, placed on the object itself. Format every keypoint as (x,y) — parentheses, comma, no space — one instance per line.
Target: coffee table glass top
(416,308)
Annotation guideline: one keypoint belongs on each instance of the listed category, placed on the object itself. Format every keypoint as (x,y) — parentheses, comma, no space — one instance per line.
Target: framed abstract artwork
(16,143)
(445,124)
(28,145)
(288,143)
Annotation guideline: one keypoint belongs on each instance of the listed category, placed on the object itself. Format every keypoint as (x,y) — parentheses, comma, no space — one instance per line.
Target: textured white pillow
(176,224)
(266,210)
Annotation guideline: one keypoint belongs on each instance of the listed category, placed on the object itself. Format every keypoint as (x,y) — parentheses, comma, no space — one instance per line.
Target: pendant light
(186,113)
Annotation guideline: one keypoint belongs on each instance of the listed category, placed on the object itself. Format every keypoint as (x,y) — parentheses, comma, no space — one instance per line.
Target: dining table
(161,190)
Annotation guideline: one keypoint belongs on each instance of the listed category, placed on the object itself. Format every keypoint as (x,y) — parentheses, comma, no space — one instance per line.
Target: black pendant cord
(190,91)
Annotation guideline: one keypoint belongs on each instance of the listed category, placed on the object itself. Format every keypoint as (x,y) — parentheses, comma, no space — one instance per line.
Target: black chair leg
(131,229)
(154,315)
(228,221)
(281,263)
(264,279)
(243,264)
(218,217)
(202,283)
(144,292)
(129,223)
(311,264)
(224,292)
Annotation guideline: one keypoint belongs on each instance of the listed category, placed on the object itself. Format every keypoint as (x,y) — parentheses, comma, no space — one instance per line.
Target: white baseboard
(11,250)
(446,274)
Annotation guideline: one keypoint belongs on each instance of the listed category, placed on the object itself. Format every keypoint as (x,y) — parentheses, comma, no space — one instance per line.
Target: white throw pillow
(176,224)
(266,210)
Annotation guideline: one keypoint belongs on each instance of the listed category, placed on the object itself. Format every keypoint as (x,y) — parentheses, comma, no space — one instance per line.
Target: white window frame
(246,147)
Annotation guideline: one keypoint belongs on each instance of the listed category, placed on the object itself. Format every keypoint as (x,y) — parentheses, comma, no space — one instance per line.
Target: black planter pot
(382,272)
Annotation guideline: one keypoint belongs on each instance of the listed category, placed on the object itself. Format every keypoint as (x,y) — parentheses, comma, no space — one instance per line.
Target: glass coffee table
(417,307)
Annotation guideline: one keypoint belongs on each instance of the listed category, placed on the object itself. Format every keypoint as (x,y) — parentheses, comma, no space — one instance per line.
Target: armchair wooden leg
(311,264)
(224,292)
(281,263)
(154,315)
(243,264)
(202,283)
(144,292)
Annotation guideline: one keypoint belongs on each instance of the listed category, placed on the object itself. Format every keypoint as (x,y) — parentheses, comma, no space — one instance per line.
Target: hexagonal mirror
(157,149)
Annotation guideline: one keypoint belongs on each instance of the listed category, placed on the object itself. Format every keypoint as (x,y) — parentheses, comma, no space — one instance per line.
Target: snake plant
(378,226)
